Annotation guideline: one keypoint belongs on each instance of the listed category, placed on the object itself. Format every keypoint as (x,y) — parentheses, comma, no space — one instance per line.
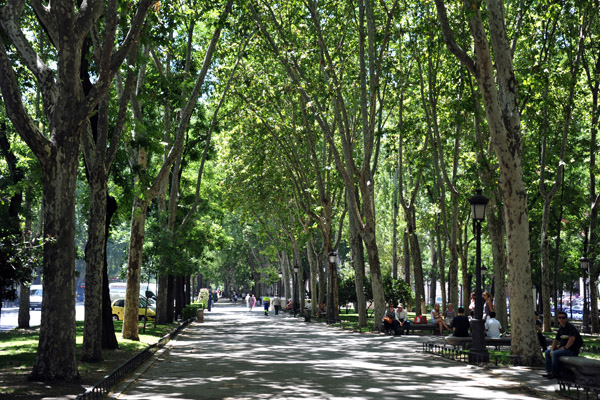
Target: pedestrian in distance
(266,303)
(276,304)
(567,342)
(251,302)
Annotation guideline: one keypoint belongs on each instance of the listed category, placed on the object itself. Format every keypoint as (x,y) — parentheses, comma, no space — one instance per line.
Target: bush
(189,311)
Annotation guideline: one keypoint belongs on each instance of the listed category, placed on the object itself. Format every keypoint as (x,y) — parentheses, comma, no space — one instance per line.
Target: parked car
(118,309)
(35,297)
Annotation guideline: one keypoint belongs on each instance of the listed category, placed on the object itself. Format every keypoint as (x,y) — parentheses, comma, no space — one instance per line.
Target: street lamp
(478,351)
(483,277)
(330,312)
(585,268)
(278,282)
(296,268)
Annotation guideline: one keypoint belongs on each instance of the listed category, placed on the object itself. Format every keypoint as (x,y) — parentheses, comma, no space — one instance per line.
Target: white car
(35,297)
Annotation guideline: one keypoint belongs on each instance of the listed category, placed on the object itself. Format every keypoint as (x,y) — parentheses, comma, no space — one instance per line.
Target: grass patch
(18,350)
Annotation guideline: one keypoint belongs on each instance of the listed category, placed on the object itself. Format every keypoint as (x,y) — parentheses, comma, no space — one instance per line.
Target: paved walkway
(236,354)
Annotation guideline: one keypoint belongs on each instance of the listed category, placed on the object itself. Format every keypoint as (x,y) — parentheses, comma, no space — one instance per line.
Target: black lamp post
(278,282)
(585,265)
(478,353)
(295,305)
(330,312)
(483,278)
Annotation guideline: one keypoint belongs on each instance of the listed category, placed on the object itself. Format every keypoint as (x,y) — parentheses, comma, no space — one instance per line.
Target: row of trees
(320,127)
(379,111)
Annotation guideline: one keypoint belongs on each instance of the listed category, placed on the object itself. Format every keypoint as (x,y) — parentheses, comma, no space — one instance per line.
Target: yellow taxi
(118,308)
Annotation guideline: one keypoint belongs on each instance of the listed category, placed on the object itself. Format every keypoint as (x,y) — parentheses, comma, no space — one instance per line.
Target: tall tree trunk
(494,212)
(132,296)
(109,339)
(94,260)
(395,207)
(358,262)
(435,273)
(56,358)
(593,77)
(500,99)
(406,259)
(23,318)
(171,297)
(495,224)
(310,255)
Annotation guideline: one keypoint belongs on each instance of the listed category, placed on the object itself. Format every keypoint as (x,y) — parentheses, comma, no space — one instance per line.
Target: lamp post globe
(585,269)
(478,352)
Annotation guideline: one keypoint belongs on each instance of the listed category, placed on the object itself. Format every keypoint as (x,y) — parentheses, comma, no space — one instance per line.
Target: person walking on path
(567,342)
(251,302)
(266,303)
(276,304)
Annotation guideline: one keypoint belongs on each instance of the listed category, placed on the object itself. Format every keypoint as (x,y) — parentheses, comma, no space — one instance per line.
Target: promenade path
(237,354)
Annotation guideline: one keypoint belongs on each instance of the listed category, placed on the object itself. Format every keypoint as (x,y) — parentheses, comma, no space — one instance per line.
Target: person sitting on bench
(461,324)
(389,320)
(438,319)
(492,326)
(402,318)
(567,342)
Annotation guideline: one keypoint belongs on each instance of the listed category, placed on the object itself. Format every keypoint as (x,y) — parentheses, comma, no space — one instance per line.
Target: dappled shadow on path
(236,354)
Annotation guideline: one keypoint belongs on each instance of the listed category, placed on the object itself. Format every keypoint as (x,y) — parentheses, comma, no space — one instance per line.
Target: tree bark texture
(134,262)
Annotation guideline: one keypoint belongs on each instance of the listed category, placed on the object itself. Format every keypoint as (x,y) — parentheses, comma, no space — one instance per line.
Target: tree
(66,110)
(499,92)
(147,192)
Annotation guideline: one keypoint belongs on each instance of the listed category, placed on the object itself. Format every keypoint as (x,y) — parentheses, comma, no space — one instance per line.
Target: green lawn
(18,350)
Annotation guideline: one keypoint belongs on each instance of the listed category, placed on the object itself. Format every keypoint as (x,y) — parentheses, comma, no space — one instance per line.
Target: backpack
(420,319)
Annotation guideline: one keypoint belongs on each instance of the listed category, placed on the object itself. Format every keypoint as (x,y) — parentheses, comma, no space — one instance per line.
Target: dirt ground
(14,384)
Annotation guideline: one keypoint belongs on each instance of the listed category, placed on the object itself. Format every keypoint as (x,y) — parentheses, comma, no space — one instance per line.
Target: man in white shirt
(403,318)
(493,326)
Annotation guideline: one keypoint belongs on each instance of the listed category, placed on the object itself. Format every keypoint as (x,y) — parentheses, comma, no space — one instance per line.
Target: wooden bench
(465,342)
(585,371)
